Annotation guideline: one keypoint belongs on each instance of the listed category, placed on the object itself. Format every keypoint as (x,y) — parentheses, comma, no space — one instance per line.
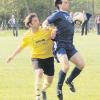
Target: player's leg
(38,77)
(86,27)
(83,26)
(49,74)
(38,83)
(63,59)
(99,29)
(16,31)
(13,31)
(79,62)
(46,84)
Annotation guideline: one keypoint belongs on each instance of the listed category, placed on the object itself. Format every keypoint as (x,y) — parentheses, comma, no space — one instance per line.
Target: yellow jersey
(39,42)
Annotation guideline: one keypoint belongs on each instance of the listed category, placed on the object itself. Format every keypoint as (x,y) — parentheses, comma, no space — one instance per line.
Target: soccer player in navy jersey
(65,50)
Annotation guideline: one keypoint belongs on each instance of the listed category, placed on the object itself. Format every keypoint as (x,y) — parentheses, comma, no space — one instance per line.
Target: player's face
(65,5)
(35,22)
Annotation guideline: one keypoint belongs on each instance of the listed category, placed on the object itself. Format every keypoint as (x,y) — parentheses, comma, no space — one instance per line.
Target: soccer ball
(79,18)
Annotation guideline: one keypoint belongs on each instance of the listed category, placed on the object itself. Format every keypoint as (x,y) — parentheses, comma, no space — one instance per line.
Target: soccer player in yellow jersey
(39,41)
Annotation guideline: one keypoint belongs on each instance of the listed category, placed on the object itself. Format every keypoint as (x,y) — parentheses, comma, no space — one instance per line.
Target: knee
(65,67)
(81,65)
(39,73)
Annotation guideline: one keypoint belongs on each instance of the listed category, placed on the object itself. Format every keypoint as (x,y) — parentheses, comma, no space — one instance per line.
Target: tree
(20,8)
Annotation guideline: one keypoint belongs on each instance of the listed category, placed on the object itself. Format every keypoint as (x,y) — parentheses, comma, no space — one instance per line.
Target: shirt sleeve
(53,17)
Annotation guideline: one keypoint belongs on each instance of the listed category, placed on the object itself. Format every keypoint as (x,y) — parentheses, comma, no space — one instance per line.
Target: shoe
(59,94)
(71,86)
(44,96)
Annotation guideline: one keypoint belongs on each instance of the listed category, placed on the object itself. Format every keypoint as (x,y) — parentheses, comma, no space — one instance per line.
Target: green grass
(17,77)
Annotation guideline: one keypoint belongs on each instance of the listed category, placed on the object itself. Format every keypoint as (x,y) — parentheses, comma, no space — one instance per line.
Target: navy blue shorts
(62,51)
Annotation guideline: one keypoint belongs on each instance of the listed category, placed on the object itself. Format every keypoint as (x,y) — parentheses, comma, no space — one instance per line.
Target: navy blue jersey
(65,28)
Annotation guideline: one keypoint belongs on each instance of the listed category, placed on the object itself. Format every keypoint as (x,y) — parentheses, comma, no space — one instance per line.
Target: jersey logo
(40,41)
(68,18)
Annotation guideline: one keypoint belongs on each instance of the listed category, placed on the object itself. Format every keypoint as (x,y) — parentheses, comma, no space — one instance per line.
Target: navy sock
(61,79)
(74,74)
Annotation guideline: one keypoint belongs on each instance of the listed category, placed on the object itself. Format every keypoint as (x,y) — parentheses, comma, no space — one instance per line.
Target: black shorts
(46,64)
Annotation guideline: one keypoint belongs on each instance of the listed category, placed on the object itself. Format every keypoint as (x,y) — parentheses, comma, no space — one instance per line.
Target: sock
(74,74)
(61,79)
(38,84)
(46,84)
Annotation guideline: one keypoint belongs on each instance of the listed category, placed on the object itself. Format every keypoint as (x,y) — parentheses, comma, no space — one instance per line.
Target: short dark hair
(28,19)
(57,2)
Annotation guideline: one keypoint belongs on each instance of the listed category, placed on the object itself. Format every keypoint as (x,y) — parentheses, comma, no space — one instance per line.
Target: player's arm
(50,20)
(22,45)
(45,24)
(53,33)
(17,51)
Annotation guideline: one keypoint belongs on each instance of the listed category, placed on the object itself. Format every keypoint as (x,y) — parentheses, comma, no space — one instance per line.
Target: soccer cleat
(44,96)
(71,86)
(59,94)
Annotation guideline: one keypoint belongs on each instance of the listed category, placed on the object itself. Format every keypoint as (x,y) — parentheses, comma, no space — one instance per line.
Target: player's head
(62,4)
(32,20)
(58,3)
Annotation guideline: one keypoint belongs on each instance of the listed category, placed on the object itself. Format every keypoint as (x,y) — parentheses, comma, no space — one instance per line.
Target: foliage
(20,8)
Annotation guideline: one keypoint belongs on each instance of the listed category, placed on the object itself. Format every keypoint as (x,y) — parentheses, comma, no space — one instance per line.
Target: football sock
(38,82)
(61,79)
(74,74)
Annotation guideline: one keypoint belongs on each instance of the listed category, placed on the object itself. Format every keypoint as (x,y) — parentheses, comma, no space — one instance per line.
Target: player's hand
(9,59)
(45,27)
(45,24)
(53,33)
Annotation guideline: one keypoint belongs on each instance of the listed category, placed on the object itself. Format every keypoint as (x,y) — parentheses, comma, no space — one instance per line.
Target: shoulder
(56,13)
(27,34)
(47,30)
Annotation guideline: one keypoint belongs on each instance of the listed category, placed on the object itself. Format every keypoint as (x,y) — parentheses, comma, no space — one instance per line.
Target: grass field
(17,77)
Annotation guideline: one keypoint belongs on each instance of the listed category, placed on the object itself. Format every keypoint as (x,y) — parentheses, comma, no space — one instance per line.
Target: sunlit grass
(17,77)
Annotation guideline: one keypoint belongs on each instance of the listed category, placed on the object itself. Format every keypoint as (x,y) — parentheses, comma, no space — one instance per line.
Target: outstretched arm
(17,51)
